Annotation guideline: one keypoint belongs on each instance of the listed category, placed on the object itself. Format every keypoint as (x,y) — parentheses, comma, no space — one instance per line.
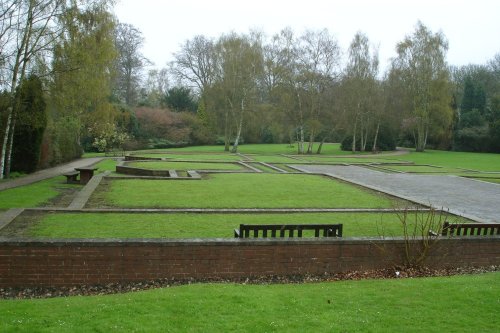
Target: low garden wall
(78,262)
(124,169)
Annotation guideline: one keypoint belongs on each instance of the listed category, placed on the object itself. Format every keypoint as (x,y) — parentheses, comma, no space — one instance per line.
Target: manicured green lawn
(473,161)
(274,159)
(190,225)
(353,160)
(33,195)
(198,157)
(106,165)
(184,166)
(467,303)
(242,191)
(277,148)
(422,169)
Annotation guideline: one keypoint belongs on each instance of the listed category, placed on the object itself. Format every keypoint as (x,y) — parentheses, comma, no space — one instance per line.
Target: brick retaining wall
(77,262)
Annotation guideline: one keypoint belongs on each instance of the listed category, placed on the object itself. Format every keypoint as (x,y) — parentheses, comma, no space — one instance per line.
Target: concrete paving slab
(476,200)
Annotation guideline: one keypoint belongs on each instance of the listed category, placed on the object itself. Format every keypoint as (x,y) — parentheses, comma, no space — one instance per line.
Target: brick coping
(114,242)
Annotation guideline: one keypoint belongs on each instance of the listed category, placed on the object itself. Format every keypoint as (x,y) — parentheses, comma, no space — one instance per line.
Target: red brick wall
(68,263)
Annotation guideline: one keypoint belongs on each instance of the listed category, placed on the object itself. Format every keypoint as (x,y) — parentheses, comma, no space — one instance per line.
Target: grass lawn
(274,159)
(353,160)
(403,305)
(198,157)
(190,225)
(106,165)
(277,148)
(422,169)
(33,195)
(472,161)
(184,166)
(490,180)
(240,191)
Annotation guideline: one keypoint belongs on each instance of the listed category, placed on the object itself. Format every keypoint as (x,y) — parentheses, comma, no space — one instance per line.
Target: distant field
(191,225)
(240,191)
(274,159)
(164,165)
(198,157)
(278,148)
(473,161)
(422,169)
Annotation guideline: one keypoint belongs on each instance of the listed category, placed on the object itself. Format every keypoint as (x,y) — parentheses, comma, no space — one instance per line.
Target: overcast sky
(471,27)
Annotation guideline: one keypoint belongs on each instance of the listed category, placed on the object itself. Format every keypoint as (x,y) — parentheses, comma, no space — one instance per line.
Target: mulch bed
(115,288)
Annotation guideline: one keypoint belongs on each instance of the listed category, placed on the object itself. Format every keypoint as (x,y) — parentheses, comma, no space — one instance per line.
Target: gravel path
(49,173)
(473,199)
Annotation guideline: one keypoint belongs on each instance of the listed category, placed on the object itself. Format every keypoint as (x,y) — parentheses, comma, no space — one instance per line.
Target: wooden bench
(287,230)
(470,229)
(72,177)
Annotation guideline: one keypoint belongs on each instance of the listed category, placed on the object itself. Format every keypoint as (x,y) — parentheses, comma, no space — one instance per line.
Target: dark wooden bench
(470,229)
(72,177)
(287,230)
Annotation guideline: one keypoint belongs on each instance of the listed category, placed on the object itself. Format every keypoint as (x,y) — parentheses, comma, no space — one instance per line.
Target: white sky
(472,27)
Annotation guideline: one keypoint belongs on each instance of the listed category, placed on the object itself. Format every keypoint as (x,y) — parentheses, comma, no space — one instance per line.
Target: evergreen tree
(31,123)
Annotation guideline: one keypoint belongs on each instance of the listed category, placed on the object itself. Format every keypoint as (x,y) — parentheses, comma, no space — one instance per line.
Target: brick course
(78,262)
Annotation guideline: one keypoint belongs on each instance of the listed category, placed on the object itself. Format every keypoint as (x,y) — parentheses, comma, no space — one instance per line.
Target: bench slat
(471,229)
(294,230)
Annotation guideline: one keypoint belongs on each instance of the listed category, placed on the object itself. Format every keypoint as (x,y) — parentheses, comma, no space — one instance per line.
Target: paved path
(49,173)
(473,199)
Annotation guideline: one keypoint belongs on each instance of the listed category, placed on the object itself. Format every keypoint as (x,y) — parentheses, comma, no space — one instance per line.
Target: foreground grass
(185,166)
(403,305)
(188,225)
(33,195)
(241,191)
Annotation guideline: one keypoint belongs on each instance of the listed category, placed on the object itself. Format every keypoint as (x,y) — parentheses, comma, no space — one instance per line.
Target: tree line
(304,89)
(73,79)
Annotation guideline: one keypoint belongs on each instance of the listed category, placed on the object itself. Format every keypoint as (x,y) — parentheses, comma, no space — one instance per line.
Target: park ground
(430,304)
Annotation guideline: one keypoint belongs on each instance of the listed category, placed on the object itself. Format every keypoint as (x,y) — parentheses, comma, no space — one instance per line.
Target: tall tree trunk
(361,138)
(10,144)
(4,142)
(226,131)
(300,146)
(364,138)
(354,138)
(421,136)
(238,134)
(374,147)
(318,151)
(311,143)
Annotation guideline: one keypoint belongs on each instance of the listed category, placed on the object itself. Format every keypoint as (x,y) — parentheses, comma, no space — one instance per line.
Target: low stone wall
(126,170)
(140,158)
(78,262)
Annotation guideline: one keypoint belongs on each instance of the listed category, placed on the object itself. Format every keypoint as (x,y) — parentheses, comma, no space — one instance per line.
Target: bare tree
(319,59)
(360,90)
(130,62)
(422,66)
(195,63)
(241,66)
